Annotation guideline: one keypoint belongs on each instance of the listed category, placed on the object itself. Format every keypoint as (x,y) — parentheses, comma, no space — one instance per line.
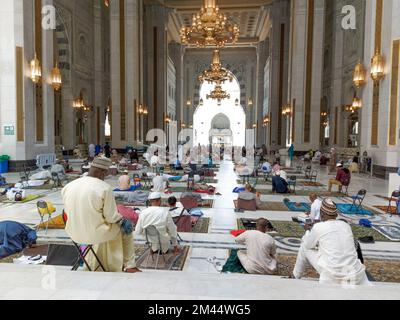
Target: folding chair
(358,199)
(151,231)
(43,210)
(25,174)
(314,175)
(307,172)
(83,251)
(56,180)
(292,182)
(396,198)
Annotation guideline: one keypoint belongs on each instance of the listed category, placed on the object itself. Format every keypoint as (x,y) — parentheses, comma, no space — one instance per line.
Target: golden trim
(20,94)
(394,96)
(309,69)
(39,85)
(281,80)
(122,69)
(376,89)
(293,119)
(335,139)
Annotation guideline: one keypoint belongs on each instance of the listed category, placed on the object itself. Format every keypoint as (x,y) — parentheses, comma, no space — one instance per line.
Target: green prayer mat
(289,229)
(233,264)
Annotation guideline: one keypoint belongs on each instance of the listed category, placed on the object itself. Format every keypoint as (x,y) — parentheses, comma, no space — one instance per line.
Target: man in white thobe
(93,218)
(329,248)
(159,217)
(159,183)
(260,254)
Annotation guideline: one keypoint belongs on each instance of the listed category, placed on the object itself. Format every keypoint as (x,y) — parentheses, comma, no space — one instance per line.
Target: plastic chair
(292,182)
(43,210)
(396,198)
(83,251)
(358,199)
(151,231)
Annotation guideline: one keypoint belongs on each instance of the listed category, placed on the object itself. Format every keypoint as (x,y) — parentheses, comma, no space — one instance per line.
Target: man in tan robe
(260,254)
(93,219)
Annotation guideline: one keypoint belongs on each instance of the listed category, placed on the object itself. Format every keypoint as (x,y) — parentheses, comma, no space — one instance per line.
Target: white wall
(204,114)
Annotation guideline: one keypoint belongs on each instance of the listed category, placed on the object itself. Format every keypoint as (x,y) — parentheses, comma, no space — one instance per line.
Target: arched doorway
(229,112)
(221,133)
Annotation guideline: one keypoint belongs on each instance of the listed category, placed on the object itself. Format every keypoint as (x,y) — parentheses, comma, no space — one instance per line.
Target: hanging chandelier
(359,75)
(56,80)
(210,27)
(78,103)
(218,94)
(36,70)
(216,73)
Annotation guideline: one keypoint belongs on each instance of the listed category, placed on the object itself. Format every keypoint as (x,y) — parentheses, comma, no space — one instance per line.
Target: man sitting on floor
(93,218)
(159,183)
(343,177)
(315,213)
(279,185)
(159,217)
(260,254)
(249,194)
(175,207)
(329,249)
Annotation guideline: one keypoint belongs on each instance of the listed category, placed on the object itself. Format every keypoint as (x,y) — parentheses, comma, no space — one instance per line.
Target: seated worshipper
(15,237)
(329,248)
(16,194)
(85,166)
(93,218)
(123,161)
(317,156)
(279,185)
(314,215)
(343,177)
(114,157)
(92,151)
(154,160)
(266,167)
(354,166)
(260,254)
(276,168)
(124,184)
(160,183)
(249,199)
(59,169)
(282,173)
(175,207)
(159,217)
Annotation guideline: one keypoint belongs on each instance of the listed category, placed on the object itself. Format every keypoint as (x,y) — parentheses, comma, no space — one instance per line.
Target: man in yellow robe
(93,219)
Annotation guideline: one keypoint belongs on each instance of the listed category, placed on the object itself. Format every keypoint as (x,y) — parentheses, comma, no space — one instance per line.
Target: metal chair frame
(43,205)
(152,231)
(358,198)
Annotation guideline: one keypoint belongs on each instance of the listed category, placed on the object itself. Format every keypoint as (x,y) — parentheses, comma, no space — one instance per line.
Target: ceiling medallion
(216,73)
(210,27)
(218,94)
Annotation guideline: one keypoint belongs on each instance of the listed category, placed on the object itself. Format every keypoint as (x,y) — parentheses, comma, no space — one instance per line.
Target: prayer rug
(202,225)
(346,208)
(173,262)
(382,197)
(391,232)
(268,206)
(289,229)
(321,193)
(392,209)
(53,223)
(29,197)
(310,184)
(297,206)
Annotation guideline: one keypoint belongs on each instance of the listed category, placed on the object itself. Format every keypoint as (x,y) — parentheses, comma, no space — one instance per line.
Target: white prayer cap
(339,165)
(154,196)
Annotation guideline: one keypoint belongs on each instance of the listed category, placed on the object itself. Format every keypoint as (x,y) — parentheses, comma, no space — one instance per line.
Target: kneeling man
(260,254)
(329,248)
(93,219)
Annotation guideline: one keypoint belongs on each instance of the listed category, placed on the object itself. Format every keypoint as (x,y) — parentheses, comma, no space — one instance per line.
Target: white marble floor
(214,244)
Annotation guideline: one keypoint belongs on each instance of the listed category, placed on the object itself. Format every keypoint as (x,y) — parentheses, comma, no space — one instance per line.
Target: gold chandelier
(56,80)
(218,94)
(210,27)
(216,73)
(36,69)
(287,110)
(359,75)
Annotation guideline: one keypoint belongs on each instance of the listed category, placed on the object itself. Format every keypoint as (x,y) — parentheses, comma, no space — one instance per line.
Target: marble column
(176,53)
(155,61)
(262,55)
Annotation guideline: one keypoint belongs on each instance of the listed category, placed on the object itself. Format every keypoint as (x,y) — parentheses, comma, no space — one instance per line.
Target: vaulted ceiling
(250,15)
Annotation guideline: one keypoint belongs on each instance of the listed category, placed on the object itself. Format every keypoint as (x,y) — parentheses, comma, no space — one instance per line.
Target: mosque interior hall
(200,149)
